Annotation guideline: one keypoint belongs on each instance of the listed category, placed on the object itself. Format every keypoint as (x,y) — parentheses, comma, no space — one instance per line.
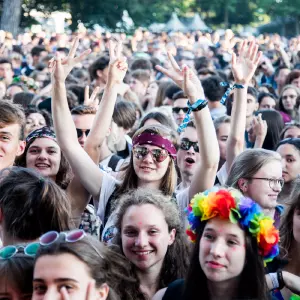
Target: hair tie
(228,91)
(198,105)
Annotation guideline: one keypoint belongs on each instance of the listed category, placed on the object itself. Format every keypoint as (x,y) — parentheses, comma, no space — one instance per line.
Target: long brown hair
(286,228)
(168,183)
(176,260)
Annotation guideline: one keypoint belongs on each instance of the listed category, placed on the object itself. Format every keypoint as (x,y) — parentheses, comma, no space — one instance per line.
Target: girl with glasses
(152,161)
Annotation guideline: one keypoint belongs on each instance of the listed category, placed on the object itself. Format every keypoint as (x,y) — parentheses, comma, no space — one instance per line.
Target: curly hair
(176,260)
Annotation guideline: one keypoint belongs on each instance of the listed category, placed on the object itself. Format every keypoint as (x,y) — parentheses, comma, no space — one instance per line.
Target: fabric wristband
(198,105)
(280,279)
(274,279)
(228,91)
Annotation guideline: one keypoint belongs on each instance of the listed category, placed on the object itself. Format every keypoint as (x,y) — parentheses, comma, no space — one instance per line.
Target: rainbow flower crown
(232,205)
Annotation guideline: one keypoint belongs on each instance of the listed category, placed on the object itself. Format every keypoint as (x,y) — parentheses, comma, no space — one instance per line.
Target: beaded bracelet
(198,105)
(228,91)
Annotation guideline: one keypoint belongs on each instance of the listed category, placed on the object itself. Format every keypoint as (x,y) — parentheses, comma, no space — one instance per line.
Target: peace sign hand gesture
(191,86)
(60,69)
(244,66)
(117,64)
(92,101)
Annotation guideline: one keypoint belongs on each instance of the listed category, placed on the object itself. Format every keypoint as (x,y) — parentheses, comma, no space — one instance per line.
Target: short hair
(6,61)
(141,75)
(124,114)
(263,95)
(100,64)
(23,99)
(11,113)
(212,88)
(83,110)
(171,90)
(36,51)
(63,49)
(221,120)
(141,64)
(179,95)
(292,76)
(34,110)
(31,204)
(201,63)
(252,91)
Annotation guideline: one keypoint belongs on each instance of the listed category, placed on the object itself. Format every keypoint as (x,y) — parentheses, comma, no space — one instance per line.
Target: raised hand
(117,64)
(92,101)
(193,87)
(66,65)
(244,66)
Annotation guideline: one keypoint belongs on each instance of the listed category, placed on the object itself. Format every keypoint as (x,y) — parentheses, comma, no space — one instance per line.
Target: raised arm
(205,173)
(243,69)
(83,167)
(116,73)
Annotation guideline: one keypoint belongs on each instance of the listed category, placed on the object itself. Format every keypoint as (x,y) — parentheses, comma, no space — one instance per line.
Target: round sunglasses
(159,155)
(45,240)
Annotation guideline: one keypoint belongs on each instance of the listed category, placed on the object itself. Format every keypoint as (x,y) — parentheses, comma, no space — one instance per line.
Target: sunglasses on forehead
(159,155)
(176,110)
(187,144)
(81,131)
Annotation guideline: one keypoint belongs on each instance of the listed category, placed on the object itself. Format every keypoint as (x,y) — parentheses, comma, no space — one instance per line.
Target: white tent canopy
(197,24)
(174,24)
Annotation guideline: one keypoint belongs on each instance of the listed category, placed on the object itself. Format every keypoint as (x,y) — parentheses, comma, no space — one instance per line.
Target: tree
(11,15)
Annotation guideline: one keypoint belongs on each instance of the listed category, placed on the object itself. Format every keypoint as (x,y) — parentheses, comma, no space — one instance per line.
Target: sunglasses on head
(45,240)
(176,110)
(187,144)
(159,155)
(81,131)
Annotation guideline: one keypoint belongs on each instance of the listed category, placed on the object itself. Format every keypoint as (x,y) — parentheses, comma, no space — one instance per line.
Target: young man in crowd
(12,123)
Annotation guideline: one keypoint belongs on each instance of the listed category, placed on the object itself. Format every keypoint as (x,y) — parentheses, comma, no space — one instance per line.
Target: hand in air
(92,101)
(60,69)
(191,85)
(244,66)
(117,64)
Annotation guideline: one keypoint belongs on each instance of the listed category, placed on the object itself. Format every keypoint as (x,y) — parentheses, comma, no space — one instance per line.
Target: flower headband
(156,140)
(44,132)
(238,209)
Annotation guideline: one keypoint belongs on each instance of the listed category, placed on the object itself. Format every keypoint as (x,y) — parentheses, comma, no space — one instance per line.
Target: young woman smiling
(152,162)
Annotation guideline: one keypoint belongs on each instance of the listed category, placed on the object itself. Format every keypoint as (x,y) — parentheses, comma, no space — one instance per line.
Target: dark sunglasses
(187,144)
(159,155)
(176,110)
(80,132)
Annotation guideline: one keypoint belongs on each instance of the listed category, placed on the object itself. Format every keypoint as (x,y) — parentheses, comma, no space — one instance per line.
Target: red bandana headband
(156,140)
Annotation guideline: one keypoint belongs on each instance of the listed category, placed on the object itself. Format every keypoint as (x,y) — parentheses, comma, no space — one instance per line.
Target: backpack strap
(113,162)
(108,210)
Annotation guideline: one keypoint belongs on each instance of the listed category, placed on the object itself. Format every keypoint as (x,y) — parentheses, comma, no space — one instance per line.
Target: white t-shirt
(109,184)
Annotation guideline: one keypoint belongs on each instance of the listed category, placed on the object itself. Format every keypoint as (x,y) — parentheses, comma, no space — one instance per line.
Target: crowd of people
(153,166)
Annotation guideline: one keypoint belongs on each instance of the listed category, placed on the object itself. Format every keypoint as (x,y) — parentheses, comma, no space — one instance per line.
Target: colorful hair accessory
(30,83)
(198,105)
(44,132)
(228,91)
(230,204)
(156,140)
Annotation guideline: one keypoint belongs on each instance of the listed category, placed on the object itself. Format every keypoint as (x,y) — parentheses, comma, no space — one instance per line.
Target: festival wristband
(228,91)
(274,279)
(198,105)
(280,279)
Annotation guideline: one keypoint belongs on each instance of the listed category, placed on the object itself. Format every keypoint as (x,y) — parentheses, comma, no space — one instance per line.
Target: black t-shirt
(174,290)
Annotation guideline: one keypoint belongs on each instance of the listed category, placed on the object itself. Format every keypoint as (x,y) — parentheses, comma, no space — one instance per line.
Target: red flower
(224,203)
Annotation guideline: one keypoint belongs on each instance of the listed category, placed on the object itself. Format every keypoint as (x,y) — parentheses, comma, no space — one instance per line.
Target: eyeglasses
(159,155)
(10,251)
(187,144)
(176,110)
(273,182)
(81,131)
